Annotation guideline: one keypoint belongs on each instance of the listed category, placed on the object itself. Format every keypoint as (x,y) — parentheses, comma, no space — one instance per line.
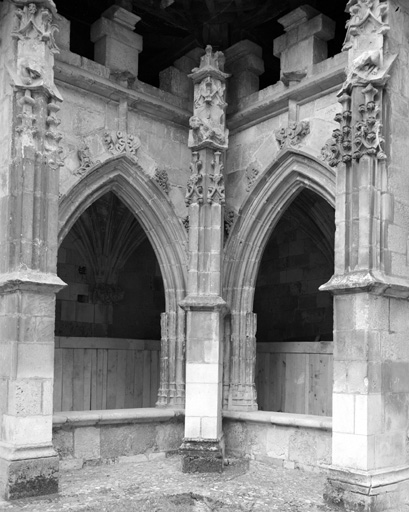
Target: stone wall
(109,436)
(291,446)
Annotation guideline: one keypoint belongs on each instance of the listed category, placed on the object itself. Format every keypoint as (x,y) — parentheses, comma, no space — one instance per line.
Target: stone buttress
(371,383)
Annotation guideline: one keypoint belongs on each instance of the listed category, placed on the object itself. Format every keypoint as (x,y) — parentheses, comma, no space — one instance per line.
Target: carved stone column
(28,241)
(370,468)
(202,448)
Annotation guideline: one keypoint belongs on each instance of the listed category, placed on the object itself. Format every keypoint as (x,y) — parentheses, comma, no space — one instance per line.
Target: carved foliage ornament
(52,149)
(229,217)
(215,191)
(365,136)
(194,187)
(339,147)
(35,22)
(293,134)
(368,139)
(122,143)
(162,179)
(252,172)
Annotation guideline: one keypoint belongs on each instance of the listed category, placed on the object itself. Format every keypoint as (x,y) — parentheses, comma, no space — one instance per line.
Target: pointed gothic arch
(153,210)
(275,190)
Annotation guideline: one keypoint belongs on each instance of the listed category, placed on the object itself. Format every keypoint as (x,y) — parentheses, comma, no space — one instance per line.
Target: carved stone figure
(86,161)
(208,121)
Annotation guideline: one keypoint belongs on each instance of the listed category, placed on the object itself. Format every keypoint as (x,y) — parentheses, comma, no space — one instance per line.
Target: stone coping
(115,416)
(285,419)
(152,414)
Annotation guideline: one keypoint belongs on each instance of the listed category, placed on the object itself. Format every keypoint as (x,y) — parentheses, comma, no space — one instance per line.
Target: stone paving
(159,486)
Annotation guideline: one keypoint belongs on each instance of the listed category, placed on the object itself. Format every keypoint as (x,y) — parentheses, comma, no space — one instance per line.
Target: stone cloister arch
(290,173)
(140,194)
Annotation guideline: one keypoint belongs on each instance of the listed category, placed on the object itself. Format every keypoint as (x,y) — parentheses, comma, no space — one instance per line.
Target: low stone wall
(92,437)
(283,439)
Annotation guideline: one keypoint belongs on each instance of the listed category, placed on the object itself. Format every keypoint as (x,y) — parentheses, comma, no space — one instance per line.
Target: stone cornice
(147,99)
(366,281)
(325,77)
(31,281)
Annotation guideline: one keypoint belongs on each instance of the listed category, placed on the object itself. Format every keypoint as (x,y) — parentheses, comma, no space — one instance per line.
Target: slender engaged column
(202,448)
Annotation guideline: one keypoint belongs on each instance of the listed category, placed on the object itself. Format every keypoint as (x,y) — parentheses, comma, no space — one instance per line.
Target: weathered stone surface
(32,477)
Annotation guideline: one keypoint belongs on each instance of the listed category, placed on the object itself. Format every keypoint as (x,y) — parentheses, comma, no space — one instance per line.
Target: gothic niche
(115,286)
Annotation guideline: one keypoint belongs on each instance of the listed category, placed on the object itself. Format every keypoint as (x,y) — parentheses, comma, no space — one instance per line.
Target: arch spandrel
(290,173)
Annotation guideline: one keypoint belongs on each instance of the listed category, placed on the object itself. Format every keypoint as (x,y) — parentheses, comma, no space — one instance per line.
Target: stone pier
(202,448)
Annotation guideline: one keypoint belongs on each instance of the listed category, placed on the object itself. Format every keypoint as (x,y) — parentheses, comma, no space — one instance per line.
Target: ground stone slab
(160,486)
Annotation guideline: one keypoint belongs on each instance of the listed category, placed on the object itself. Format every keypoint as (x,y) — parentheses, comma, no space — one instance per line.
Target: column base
(368,491)
(202,456)
(28,477)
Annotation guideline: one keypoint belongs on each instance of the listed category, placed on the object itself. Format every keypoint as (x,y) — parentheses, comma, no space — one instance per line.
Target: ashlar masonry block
(116,45)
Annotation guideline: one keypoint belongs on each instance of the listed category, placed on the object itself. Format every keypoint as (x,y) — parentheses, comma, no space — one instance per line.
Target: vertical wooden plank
(57,397)
(138,379)
(146,394)
(154,378)
(78,383)
(129,379)
(329,385)
(94,382)
(260,378)
(267,382)
(67,378)
(120,379)
(295,383)
(277,381)
(100,378)
(112,369)
(87,379)
(104,378)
